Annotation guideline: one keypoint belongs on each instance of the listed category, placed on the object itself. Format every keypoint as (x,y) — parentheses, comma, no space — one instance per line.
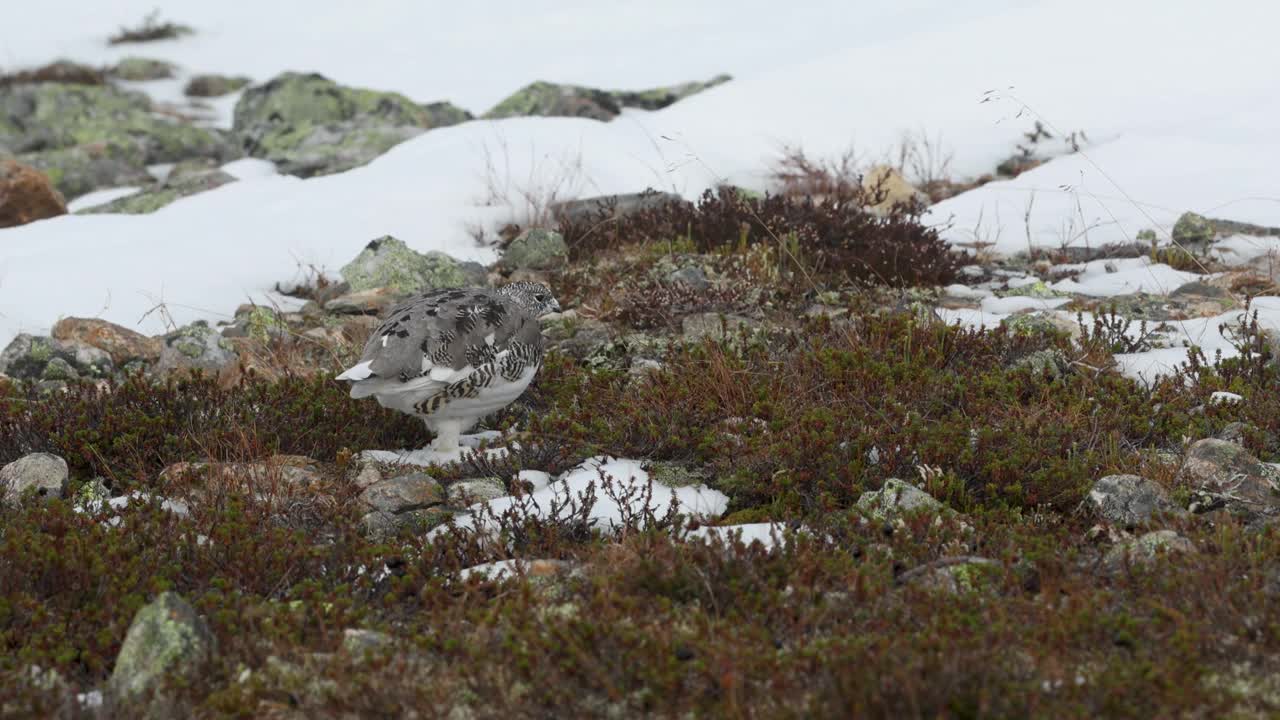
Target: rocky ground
(789,456)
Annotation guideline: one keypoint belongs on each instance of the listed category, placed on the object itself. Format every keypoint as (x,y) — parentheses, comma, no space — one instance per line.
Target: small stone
(380,525)
(959,576)
(199,347)
(208,86)
(469,492)
(402,494)
(536,249)
(26,195)
(138,69)
(121,344)
(897,497)
(388,262)
(368,475)
(691,277)
(1129,500)
(1146,550)
(713,326)
(44,474)
(167,637)
(1193,230)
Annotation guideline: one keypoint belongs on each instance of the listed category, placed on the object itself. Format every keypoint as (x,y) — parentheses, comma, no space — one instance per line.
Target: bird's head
(532,296)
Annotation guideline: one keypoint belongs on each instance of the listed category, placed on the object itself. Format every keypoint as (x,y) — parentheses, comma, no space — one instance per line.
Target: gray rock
(167,638)
(402,494)
(197,347)
(208,86)
(388,263)
(42,473)
(551,100)
(1225,471)
(176,186)
(81,169)
(467,492)
(138,69)
(359,643)
(1193,231)
(29,357)
(1144,551)
(896,498)
(691,277)
(954,576)
(606,207)
(1045,362)
(1129,500)
(380,525)
(536,249)
(309,125)
(713,326)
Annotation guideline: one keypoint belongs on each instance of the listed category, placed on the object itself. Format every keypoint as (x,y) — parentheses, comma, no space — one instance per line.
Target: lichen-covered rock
(467,492)
(1235,479)
(121,344)
(210,86)
(54,115)
(199,347)
(30,357)
(388,263)
(546,99)
(1192,229)
(610,206)
(309,125)
(1146,550)
(536,249)
(81,169)
(1129,500)
(380,525)
(1051,362)
(257,322)
(957,576)
(42,473)
(27,195)
(714,326)
(401,494)
(174,187)
(1046,323)
(167,638)
(896,498)
(140,69)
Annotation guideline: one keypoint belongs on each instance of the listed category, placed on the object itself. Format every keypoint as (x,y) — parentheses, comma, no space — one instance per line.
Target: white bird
(454,356)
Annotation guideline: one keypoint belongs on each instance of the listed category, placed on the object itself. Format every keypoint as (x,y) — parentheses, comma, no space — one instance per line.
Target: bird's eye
(540,297)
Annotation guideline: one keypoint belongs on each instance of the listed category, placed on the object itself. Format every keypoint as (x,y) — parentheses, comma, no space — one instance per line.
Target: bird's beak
(555,305)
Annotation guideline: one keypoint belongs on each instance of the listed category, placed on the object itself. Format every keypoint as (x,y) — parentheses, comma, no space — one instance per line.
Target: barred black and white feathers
(453,356)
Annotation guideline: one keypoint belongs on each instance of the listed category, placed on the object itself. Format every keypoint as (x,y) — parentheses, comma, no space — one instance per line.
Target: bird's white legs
(447,432)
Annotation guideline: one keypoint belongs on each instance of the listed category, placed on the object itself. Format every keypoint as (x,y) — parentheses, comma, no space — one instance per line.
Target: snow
(1125,276)
(1166,130)
(100,197)
(621,490)
(769,535)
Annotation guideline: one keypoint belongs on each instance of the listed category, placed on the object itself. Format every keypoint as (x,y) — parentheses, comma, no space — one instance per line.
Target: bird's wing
(440,337)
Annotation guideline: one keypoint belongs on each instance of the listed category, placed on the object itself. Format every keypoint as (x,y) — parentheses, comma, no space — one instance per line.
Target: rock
(176,186)
(536,249)
(374,301)
(121,344)
(52,116)
(42,473)
(691,277)
(605,207)
(1045,362)
(27,195)
(283,474)
(380,525)
(1246,487)
(58,71)
(1193,231)
(468,492)
(1146,550)
(545,99)
(402,494)
(43,358)
(954,576)
(577,337)
(889,189)
(84,168)
(1200,289)
(388,263)
(167,638)
(713,326)
(257,322)
(1129,500)
(141,69)
(896,498)
(199,347)
(1235,432)
(309,125)
(360,643)
(210,86)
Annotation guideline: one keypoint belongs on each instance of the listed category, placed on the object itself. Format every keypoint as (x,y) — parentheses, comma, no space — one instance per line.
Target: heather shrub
(833,238)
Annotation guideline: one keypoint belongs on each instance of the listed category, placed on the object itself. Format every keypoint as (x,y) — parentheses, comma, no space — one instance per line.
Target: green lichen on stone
(263,323)
(388,263)
(1038,289)
(536,249)
(141,69)
(547,99)
(59,369)
(896,497)
(1193,229)
(166,637)
(78,170)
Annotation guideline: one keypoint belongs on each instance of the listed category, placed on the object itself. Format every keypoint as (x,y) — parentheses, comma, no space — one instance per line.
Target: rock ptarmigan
(453,356)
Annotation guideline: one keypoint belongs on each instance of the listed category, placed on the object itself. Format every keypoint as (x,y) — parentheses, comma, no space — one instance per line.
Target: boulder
(1146,550)
(536,249)
(546,99)
(138,69)
(467,492)
(404,493)
(309,125)
(896,498)
(1234,479)
(209,86)
(35,358)
(174,187)
(167,638)
(42,473)
(27,195)
(714,326)
(121,344)
(81,169)
(199,347)
(388,263)
(1129,500)
(1193,231)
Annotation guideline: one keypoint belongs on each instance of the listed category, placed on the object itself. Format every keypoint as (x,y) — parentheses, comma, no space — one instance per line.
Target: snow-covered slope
(1177,99)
